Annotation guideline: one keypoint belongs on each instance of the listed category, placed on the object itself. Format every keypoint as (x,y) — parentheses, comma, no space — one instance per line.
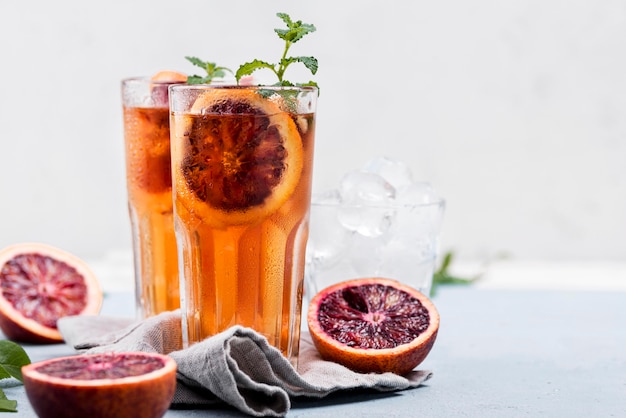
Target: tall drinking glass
(149,183)
(242,161)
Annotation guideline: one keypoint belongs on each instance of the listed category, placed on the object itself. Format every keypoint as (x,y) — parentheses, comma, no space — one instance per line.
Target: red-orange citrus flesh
(166,75)
(120,385)
(243,160)
(373,325)
(40,284)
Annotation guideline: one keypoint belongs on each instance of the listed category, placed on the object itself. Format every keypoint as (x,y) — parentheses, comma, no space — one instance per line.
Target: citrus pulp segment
(241,159)
(167,75)
(40,284)
(373,325)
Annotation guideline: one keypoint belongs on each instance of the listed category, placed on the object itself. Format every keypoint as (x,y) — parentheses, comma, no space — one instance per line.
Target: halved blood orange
(241,160)
(130,384)
(373,325)
(40,284)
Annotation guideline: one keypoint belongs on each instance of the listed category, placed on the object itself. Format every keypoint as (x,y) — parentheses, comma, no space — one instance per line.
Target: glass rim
(189,87)
(440,202)
(148,80)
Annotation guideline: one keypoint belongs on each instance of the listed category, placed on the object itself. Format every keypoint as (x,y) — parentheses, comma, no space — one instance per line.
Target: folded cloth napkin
(238,366)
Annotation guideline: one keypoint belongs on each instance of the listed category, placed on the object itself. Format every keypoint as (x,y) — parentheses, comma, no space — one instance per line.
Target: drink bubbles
(379,222)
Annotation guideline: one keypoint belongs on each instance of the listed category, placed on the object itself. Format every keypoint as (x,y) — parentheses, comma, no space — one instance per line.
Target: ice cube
(408,246)
(365,256)
(418,219)
(396,173)
(369,221)
(409,259)
(159,96)
(366,203)
(418,193)
(359,187)
(328,197)
(328,240)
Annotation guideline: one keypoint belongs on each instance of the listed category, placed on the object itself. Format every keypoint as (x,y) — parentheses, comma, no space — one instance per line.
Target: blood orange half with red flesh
(40,284)
(121,385)
(373,325)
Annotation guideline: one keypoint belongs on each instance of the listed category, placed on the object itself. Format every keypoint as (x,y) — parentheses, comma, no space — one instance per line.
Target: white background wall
(514,110)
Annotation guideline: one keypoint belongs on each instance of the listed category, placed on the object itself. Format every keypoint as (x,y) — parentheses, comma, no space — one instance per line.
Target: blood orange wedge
(166,75)
(373,325)
(133,385)
(40,284)
(239,159)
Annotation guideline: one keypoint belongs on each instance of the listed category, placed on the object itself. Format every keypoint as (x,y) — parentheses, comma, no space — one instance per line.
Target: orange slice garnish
(173,76)
(241,158)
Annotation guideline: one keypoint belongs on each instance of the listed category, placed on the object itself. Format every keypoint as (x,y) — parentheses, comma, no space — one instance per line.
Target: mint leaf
(195,79)
(196,61)
(7,405)
(212,70)
(285,17)
(309,84)
(309,62)
(12,358)
(250,67)
(295,31)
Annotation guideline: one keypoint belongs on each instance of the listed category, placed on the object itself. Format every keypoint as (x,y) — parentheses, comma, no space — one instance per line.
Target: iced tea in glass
(242,160)
(149,183)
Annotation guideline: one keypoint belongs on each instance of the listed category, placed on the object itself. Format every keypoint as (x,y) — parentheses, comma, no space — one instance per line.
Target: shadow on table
(217,410)
(299,405)
(342,398)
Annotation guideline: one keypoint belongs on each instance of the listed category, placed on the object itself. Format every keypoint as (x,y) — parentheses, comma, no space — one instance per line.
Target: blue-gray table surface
(499,353)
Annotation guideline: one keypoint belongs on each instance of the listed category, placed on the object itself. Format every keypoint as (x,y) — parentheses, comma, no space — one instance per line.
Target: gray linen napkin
(237,366)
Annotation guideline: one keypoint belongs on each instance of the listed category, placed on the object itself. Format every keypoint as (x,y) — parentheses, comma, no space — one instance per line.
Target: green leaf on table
(12,358)
(445,263)
(7,405)
(443,277)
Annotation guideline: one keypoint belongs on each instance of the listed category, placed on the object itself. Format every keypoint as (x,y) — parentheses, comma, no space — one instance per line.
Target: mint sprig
(294,32)
(212,70)
(12,358)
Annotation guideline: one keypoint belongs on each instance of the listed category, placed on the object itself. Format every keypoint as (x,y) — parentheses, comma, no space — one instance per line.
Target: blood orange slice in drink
(147,131)
(148,150)
(373,325)
(40,284)
(241,158)
(133,385)
(167,75)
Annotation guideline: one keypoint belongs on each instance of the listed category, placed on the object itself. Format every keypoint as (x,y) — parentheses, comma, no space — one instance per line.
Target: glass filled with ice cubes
(379,222)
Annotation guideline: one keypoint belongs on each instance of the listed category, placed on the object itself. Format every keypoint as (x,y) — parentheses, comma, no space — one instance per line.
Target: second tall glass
(149,183)
(242,160)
